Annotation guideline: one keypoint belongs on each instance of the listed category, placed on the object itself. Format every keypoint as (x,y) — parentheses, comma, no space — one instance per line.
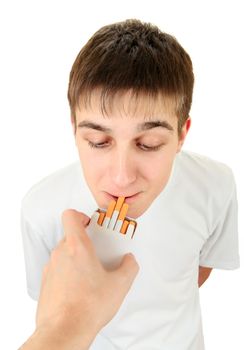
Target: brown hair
(133,55)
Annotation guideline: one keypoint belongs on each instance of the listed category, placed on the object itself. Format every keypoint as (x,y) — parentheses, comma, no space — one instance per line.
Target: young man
(130,93)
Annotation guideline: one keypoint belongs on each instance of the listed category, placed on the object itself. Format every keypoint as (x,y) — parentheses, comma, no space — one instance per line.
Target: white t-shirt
(192,222)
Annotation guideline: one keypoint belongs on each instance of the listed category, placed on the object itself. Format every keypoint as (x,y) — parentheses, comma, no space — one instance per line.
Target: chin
(135,213)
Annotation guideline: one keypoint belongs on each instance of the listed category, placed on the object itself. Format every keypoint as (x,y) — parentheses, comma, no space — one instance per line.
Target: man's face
(130,154)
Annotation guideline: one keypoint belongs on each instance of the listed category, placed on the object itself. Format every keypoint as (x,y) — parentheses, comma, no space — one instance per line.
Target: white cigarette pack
(110,245)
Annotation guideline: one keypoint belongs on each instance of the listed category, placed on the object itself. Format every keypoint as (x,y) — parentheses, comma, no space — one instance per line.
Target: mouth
(128,199)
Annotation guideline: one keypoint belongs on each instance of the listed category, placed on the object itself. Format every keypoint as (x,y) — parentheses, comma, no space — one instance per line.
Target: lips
(122,195)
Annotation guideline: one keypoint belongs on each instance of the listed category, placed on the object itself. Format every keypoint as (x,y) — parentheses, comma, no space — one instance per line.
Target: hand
(78,296)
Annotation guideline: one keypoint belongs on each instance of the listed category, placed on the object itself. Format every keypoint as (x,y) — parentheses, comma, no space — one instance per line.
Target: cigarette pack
(109,243)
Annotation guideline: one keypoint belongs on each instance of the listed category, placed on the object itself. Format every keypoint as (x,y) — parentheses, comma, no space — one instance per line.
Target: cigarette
(124,227)
(115,215)
(131,228)
(121,217)
(115,218)
(109,214)
(101,218)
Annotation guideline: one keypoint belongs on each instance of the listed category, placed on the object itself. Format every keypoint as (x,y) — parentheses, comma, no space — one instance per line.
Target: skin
(204,273)
(75,287)
(122,166)
(78,296)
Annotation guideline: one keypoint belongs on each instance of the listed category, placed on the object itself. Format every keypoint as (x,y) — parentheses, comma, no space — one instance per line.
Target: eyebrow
(140,127)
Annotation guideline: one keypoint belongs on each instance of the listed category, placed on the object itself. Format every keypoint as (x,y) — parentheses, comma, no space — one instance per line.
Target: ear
(183,134)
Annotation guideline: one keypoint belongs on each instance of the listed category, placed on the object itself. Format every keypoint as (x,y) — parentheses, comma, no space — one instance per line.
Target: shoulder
(205,172)
(47,198)
(204,183)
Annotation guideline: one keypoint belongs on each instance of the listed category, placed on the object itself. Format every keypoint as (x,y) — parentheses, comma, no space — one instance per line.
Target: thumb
(44,273)
(127,270)
(74,222)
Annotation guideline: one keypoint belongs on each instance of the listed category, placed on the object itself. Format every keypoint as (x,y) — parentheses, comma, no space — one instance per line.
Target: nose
(122,169)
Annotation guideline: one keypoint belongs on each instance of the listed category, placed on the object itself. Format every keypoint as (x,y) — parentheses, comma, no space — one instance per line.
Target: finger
(74,222)
(44,274)
(61,242)
(45,270)
(127,270)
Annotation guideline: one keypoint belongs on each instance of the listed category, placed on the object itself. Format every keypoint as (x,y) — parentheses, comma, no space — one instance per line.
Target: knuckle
(67,213)
(54,255)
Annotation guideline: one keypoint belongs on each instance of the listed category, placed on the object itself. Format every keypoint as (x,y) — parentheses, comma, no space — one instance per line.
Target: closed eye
(144,147)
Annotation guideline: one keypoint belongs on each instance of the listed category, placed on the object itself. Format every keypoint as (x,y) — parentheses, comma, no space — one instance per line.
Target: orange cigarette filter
(124,227)
(119,203)
(101,218)
(123,211)
(110,209)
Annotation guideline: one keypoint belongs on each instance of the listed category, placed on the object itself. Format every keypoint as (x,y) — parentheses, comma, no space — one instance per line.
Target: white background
(39,42)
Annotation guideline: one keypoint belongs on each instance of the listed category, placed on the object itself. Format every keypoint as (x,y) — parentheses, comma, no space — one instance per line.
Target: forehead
(126,104)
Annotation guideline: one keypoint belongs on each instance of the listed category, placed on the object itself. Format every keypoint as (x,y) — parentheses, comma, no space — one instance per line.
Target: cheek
(93,167)
(157,172)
